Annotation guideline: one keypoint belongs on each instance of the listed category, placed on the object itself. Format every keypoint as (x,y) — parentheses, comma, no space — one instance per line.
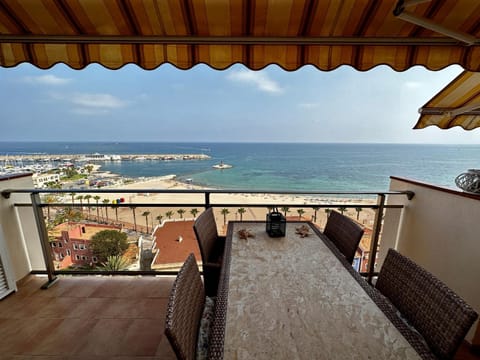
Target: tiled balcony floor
(86,318)
(91,318)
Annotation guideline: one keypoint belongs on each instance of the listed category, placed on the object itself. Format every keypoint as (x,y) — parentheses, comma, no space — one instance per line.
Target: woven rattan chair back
(344,233)
(184,310)
(206,232)
(433,309)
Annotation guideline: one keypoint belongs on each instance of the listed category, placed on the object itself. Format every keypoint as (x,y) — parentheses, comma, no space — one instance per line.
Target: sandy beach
(125,214)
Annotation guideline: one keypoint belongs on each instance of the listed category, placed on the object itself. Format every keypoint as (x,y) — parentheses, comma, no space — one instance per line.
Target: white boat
(222,166)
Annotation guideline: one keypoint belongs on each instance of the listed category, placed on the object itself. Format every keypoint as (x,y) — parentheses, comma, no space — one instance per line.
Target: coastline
(170,182)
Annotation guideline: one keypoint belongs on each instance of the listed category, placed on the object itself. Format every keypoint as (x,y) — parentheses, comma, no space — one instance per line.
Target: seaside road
(252,213)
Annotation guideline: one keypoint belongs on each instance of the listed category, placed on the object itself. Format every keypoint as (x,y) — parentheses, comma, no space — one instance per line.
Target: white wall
(439,230)
(19,228)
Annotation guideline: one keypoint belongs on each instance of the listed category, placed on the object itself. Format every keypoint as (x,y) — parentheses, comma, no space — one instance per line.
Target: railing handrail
(6,193)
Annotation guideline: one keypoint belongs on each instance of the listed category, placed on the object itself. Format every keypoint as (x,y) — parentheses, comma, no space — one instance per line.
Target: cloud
(97,101)
(413,84)
(90,104)
(46,80)
(259,79)
(308,105)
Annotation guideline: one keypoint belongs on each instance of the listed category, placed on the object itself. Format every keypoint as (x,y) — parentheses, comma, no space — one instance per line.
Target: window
(94,259)
(75,247)
(54,244)
(77,257)
(68,252)
(60,244)
(81,247)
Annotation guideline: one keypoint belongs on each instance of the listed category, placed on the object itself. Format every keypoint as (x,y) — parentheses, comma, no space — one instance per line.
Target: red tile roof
(172,251)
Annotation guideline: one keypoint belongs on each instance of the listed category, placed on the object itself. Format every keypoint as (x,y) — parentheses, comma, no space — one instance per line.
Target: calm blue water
(259,166)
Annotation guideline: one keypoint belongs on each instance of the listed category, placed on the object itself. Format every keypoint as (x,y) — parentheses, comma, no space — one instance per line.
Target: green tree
(107,243)
(97,198)
(241,211)
(146,213)
(194,213)
(181,212)
(358,210)
(72,215)
(134,217)
(73,197)
(300,213)
(315,209)
(89,168)
(342,209)
(159,219)
(169,214)
(225,212)
(285,210)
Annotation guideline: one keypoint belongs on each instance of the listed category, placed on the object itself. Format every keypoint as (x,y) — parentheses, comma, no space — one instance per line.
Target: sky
(234,105)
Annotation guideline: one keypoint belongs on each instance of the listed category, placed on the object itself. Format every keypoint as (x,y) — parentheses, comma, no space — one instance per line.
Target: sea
(279,166)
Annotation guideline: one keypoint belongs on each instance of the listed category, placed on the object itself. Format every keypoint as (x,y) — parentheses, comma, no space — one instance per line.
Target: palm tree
(146,213)
(358,209)
(49,199)
(285,210)
(88,197)
(241,211)
(159,219)
(342,209)
(225,212)
(134,217)
(97,198)
(315,209)
(328,211)
(194,213)
(106,201)
(115,207)
(80,197)
(181,212)
(300,213)
(169,214)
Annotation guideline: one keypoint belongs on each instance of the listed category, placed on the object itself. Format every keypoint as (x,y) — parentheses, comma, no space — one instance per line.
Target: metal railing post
(377,228)
(207,199)
(43,234)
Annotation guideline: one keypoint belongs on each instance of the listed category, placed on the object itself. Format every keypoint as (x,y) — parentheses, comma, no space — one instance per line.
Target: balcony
(437,228)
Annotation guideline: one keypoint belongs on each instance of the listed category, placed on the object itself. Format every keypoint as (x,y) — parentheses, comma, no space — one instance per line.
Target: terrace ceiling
(256,33)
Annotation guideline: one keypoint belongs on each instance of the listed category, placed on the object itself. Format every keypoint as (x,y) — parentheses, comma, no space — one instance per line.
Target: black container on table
(276,224)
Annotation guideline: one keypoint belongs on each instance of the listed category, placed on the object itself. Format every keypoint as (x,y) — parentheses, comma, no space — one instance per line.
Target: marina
(8,158)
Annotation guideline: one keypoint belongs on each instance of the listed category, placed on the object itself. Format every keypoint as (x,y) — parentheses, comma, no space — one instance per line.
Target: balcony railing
(225,199)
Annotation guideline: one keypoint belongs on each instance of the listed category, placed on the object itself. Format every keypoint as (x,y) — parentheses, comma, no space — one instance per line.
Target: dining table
(296,297)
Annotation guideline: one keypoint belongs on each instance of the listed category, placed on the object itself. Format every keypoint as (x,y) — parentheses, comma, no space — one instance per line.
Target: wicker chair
(184,310)
(211,248)
(426,304)
(344,233)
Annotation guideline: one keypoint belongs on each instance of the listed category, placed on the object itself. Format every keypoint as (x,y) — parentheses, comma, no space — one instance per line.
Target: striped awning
(458,104)
(256,33)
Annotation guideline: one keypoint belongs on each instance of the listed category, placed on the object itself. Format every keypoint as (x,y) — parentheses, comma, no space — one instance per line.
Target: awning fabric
(256,33)
(458,104)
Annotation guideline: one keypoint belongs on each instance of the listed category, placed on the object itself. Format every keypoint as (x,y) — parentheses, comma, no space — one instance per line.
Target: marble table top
(291,298)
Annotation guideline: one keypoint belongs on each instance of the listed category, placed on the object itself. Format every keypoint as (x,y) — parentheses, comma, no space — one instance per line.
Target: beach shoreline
(255,203)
